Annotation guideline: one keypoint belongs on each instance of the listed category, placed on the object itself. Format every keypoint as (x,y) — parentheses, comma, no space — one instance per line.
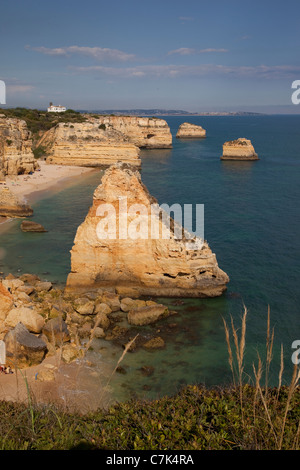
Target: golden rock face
(239,149)
(190,131)
(148,265)
(16,147)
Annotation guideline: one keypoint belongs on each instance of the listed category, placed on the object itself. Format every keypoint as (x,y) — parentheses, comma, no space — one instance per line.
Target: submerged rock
(147,315)
(31,226)
(164,265)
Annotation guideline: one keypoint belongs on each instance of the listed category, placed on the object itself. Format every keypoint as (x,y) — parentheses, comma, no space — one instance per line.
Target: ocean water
(252,223)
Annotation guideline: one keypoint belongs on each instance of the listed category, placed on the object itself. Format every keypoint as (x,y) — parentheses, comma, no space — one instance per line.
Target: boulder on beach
(29,317)
(23,349)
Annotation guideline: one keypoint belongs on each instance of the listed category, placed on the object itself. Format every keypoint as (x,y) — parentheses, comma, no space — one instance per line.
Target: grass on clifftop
(194,419)
(37,120)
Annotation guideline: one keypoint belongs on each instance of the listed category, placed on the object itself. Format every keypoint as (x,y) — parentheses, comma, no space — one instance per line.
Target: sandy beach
(48,176)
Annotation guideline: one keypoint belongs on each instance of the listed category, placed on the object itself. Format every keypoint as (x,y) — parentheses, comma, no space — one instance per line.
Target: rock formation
(190,131)
(239,149)
(88,144)
(11,206)
(164,265)
(144,132)
(31,226)
(16,156)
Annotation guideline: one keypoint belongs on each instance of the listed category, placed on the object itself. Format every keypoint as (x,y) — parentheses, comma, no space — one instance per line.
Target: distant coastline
(168,112)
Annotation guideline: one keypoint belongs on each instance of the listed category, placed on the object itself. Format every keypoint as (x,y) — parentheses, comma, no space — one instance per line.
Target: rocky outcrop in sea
(190,131)
(160,264)
(239,149)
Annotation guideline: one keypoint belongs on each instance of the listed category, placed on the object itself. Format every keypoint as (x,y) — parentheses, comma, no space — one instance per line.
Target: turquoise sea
(252,223)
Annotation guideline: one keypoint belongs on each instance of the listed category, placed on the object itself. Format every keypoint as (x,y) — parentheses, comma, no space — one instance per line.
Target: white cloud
(98,53)
(190,51)
(197,71)
(19,88)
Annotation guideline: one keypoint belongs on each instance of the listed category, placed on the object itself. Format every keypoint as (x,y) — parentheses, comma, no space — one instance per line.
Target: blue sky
(191,55)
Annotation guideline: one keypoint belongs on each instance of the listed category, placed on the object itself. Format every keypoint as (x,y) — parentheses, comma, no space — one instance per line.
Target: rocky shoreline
(46,330)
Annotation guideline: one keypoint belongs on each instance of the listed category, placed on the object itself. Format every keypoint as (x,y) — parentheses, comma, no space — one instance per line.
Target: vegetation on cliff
(38,120)
(196,418)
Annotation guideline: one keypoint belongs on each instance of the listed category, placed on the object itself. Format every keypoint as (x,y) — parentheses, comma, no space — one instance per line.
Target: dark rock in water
(147,315)
(147,388)
(30,226)
(147,370)
(154,343)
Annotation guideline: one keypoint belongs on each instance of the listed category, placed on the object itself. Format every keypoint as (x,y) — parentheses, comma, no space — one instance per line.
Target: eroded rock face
(190,131)
(239,149)
(144,132)
(16,156)
(88,144)
(150,266)
(6,302)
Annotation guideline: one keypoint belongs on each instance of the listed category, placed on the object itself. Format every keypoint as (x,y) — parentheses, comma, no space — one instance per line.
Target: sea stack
(190,131)
(239,149)
(163,265)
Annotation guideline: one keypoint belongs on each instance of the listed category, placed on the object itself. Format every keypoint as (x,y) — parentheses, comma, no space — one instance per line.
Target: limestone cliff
(150,265)
(16,156)
(144,132)
(88,144)
(190,131)
(11,206)
(239,149)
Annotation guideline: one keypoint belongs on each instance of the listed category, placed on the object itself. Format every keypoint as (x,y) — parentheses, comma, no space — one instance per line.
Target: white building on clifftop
(56,109)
